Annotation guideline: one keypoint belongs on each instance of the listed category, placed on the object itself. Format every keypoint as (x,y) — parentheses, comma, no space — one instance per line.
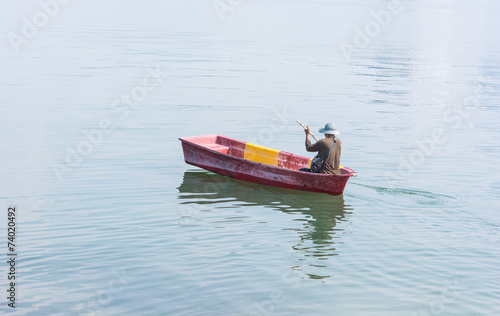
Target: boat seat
(220,148)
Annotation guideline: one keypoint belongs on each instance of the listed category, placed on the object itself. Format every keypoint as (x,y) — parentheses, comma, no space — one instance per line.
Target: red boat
(241,160)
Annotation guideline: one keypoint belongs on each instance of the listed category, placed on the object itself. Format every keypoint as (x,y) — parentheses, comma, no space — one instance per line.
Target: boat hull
(196,153)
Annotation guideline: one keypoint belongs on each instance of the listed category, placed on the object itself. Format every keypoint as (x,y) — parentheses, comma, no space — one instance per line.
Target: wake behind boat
(245,161)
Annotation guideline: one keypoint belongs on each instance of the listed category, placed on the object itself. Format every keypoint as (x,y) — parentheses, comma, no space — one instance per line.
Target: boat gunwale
(304,173)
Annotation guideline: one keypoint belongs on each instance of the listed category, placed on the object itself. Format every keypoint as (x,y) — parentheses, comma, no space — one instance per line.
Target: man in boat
(331,164)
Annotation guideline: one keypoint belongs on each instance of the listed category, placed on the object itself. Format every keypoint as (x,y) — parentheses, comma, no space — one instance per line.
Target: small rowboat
(245,161)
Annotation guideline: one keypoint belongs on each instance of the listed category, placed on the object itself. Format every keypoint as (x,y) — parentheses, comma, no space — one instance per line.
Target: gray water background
(125,227)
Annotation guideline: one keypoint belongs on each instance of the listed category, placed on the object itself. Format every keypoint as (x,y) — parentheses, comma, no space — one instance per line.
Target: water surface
(130,229)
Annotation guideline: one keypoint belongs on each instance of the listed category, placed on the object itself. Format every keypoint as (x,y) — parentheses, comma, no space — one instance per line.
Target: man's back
(331,163)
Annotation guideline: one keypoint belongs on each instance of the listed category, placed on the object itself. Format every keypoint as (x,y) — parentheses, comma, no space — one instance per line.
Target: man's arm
(309,147)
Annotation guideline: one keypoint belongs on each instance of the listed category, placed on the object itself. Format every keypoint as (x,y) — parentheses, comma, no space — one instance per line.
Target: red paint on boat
(225,156)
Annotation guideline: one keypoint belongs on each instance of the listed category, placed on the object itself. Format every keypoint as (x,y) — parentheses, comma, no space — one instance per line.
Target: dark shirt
(331,163)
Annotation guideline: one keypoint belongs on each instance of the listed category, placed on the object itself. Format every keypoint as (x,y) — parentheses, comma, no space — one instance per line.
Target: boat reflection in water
(318,233)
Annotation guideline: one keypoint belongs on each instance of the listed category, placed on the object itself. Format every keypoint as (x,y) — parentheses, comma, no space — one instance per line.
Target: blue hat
(329,129)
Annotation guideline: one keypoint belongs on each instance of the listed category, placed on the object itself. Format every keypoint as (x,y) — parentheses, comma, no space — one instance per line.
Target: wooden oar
(306,128)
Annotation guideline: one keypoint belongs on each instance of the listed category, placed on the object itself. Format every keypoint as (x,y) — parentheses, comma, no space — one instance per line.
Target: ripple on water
(405,196)
(314,216)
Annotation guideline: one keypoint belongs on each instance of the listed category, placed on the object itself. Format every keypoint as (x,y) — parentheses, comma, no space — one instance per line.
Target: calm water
(122,226)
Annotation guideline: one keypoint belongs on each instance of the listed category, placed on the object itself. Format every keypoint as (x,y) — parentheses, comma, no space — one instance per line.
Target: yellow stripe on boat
(261,154)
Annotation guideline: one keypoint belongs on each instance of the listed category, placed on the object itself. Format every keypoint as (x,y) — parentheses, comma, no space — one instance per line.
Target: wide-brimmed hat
(329,129)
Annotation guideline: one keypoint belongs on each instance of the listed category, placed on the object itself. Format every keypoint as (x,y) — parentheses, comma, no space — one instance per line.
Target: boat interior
(253,152)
